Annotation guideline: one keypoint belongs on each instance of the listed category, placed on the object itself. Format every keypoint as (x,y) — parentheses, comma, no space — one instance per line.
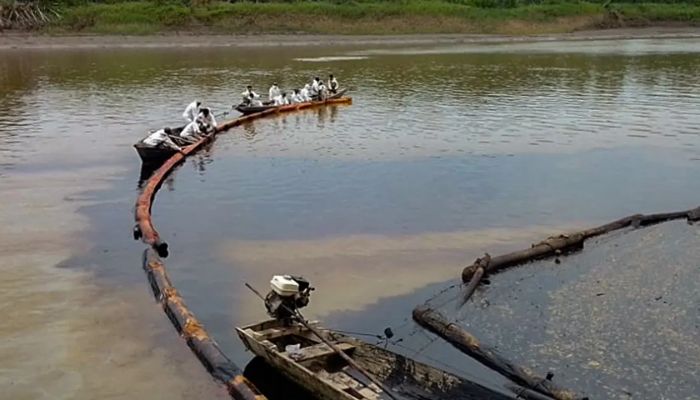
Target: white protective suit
(280,101)
(305,94)
(274,92)
(249,94)
(322,91)
(209,121)
(191,131)
(158,138)
(191,111)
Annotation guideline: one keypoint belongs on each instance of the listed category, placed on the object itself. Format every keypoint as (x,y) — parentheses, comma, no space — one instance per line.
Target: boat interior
(304,348)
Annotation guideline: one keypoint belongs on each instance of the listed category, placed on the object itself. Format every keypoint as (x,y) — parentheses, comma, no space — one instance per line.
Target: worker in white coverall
(332,84)
(314,86)
(274,92)
(192,111)
(305,94)
(191,132)
(206,120)
(249,94)
(161,138)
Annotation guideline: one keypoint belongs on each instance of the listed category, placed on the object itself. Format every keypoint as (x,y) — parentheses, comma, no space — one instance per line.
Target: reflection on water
(444,153)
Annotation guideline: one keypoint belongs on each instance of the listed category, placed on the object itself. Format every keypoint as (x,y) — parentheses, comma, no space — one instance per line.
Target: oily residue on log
(465,342)
(554,246)
(206,349)
(568,243)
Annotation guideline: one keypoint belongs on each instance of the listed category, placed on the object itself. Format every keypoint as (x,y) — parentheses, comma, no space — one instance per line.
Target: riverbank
(19,40)
(367,17)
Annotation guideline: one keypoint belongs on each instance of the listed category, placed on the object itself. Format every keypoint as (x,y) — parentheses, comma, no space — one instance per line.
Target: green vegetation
(367,16)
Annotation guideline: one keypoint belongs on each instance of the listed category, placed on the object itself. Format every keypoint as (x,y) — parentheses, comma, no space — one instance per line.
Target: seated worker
(332,84)
(191,132)
(206,120)
(273,92)
(161,138)
(249,94)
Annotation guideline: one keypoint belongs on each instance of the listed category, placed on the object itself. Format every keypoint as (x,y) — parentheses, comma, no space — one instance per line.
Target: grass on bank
(375,17)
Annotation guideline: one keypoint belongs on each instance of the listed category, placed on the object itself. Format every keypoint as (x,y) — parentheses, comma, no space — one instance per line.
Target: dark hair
(330,75)
(249,87)
(199,103)
(274,83)
(205,111)
(317,78)
(167,130)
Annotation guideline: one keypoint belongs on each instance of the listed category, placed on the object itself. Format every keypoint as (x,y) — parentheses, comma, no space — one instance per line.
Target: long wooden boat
(300,355)
(157,154)
(245,110)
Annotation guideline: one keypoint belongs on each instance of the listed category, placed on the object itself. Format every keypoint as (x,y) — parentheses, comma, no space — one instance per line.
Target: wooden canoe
(316,367)
(157,154)
(245,110)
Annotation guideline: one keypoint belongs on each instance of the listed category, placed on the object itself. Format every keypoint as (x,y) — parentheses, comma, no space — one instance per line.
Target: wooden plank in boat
(318,351)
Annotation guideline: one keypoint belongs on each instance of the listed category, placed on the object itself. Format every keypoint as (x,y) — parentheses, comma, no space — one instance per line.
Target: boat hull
(254,110)
(302,376)
(406,378)
(153,155)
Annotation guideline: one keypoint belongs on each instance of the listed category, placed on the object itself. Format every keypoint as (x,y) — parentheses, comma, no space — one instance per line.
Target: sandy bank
(63,335)
(31,41)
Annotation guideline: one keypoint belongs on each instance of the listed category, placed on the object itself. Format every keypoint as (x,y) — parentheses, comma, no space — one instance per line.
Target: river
(445,153)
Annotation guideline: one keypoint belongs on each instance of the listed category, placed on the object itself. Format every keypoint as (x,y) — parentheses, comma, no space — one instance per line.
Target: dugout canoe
(317,367)
(253,110)
(158,154)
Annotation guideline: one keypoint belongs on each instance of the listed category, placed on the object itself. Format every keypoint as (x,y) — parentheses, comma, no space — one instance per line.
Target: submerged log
(468,344)
(197,338)
(569,243)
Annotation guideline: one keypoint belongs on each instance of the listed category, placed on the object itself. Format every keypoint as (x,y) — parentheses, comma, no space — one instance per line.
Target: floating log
(465,342)
(197,338)
(561,244)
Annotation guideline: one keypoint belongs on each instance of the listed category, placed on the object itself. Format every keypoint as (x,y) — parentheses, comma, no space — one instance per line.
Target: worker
(274,91)
(322,91)
(206,120)
(332,84)
(253,101)
(249,94)
(191,132)
(281,100)
(314,86)
(161,138)
(192,111)
(305,94)
(296,97)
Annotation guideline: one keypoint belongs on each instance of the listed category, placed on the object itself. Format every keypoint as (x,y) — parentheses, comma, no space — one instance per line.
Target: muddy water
(446,152)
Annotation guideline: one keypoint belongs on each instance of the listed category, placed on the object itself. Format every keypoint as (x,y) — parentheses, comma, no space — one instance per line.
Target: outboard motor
(288,294)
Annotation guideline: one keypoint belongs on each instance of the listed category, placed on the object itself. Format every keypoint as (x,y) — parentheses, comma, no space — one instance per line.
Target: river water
(445,153)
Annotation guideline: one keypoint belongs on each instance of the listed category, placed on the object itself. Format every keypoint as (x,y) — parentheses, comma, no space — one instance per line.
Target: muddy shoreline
(23,40)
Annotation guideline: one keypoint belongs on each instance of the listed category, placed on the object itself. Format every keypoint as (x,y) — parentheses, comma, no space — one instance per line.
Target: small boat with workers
(162,144)
(246,108)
